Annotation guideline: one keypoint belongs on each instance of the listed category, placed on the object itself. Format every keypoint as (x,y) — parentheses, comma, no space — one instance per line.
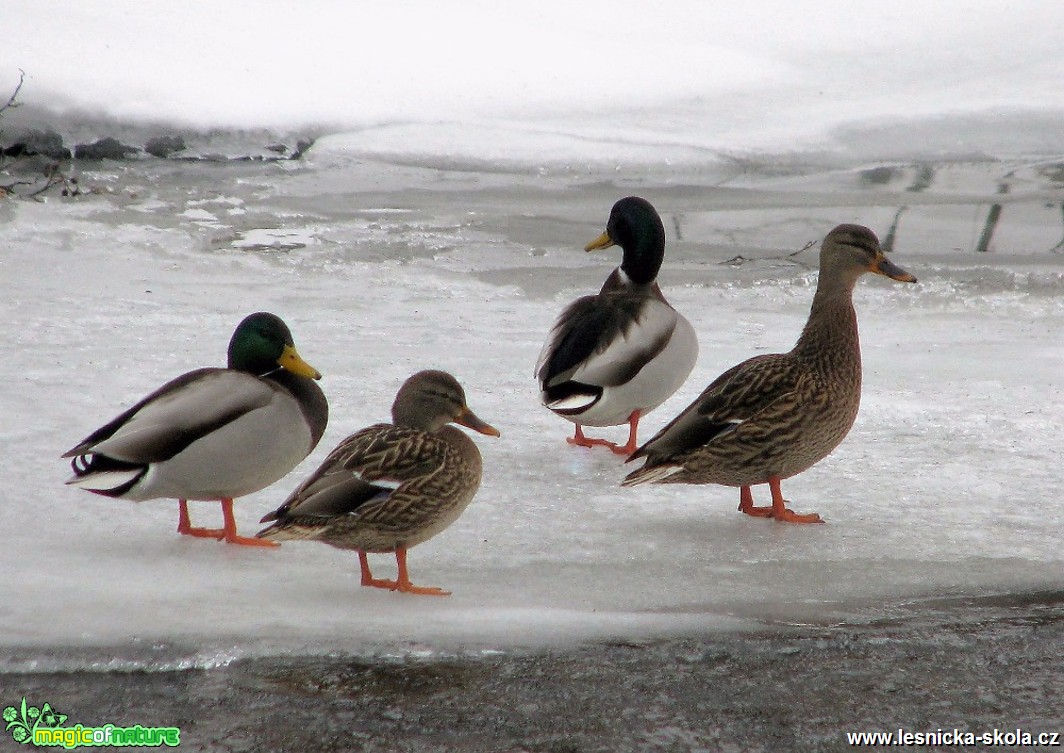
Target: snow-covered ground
(602,79)
(439,225)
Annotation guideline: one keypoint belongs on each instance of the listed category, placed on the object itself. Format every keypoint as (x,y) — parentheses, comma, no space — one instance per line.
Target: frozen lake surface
(464,154)
(944,488)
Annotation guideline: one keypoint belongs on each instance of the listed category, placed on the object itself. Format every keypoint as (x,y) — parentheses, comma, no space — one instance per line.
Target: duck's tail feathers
(650,474)
(103,475)
(288,531)
(573,404)
(571,398)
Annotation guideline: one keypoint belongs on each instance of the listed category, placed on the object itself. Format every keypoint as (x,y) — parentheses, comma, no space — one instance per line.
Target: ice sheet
(944,487)
(466,152)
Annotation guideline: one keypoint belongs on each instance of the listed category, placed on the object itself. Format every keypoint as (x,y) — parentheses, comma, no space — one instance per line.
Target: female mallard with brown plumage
(392,486)
(774,416)
(612,358)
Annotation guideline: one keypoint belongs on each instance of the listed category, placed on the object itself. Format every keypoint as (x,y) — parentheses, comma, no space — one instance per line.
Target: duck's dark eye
(864,243)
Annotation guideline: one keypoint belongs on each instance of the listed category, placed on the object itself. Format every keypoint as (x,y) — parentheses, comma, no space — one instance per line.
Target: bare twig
(10,104)
(55,177)
(52,173)
(53,180)
(12,100)
(10,187)
(739,259)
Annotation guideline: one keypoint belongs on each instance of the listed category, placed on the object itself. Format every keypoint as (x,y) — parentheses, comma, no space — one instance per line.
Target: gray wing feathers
(171,420)
(605,341)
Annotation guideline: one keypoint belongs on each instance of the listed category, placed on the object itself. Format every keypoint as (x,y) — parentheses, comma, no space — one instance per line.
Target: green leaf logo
(22,721)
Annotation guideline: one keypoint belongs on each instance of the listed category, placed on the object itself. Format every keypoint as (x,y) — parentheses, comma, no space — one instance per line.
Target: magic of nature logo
(43,726)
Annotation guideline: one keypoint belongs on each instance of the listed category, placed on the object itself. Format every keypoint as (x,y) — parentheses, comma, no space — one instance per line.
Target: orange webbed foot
(250,541)
(626,449)
(231,536)
(747,506)
(790,516)
(404,587)
(202,533)
(778,510)
(402,584)
(227,533)
(185,527)
(410,588)
(390,585)
(784,514)
(757,512)
(579,440)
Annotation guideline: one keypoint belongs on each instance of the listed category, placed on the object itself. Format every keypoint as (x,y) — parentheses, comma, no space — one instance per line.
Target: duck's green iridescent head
(636,227)
(263,343)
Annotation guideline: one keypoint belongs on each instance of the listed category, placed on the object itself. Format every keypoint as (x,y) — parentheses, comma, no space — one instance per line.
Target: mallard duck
(392,486)
(212,434)
(612,358)
(774,416)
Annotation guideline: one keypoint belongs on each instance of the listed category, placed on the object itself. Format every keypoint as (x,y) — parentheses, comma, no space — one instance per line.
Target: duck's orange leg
(781,512)
(580,440)
(185,527)
(633,428)
(402,583)
(777,510)
(367,576)
(747,507)
(230,535)
(404,578)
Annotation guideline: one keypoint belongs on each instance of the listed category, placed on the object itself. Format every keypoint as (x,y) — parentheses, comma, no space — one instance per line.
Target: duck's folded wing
(605,341)
(330,495)
(741,394)
(176,415)
(364,469)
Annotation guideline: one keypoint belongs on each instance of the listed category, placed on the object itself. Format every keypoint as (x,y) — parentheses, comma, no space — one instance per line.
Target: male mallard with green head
(213,433)
(774,416)
(612,358)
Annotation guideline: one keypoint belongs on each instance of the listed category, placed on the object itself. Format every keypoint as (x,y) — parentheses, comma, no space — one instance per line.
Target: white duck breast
(634,363)
(194,439)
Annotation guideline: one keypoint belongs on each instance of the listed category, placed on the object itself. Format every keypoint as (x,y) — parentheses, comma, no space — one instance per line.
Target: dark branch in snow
(792,256)
(32,162)
(12,101)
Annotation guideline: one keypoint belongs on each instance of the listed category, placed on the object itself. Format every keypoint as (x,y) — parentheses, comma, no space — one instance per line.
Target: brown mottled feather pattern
(794,409)
(437,475)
